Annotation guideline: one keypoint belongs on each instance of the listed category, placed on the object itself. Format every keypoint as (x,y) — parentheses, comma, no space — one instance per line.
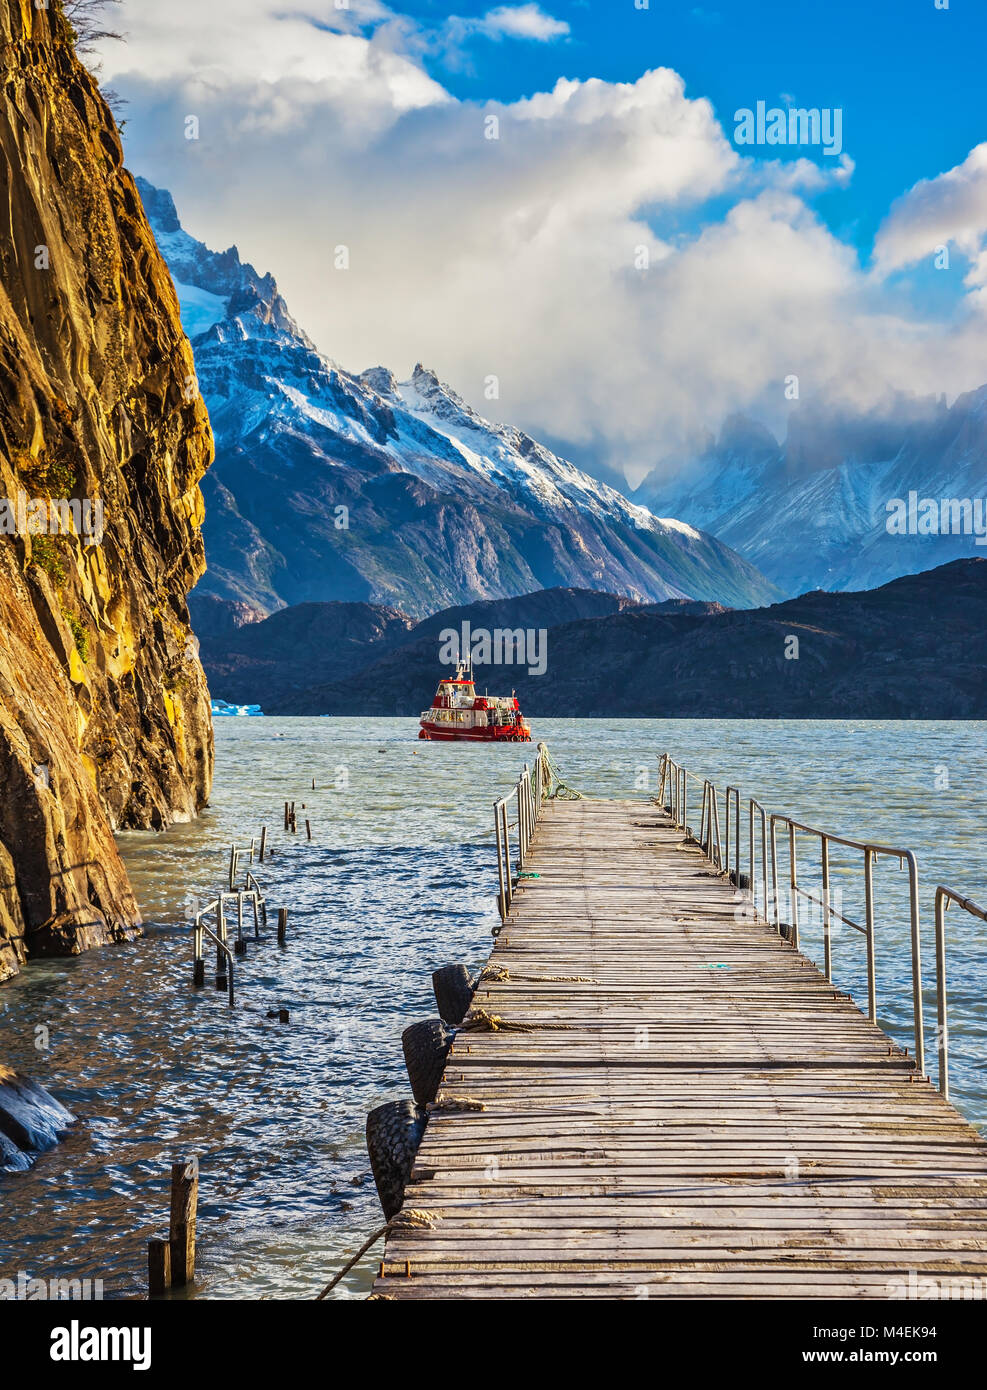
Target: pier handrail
(944,897)
(528,809)
(673,797)
(528,796)
(222,949)
(871,851)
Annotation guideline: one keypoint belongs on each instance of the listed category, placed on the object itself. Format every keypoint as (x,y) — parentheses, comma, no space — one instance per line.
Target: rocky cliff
(104,711)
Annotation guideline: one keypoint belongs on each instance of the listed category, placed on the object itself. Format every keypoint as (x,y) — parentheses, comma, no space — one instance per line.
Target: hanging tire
(454,986)
(741,881)
(426,1046)
(394,1132)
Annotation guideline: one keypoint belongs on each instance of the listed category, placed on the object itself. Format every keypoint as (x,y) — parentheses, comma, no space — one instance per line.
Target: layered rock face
(104,711)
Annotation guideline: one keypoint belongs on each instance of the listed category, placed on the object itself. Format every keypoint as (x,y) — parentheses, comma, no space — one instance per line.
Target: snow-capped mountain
(331,485)
(812,512)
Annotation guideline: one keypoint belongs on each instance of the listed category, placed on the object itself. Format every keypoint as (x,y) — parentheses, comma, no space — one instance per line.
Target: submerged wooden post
(308,829)
(158,1265)
(282,925)
(184,1201)
(263,843)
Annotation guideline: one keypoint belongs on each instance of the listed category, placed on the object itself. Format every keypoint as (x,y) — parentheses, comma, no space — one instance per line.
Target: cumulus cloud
(516,240)
(951,208)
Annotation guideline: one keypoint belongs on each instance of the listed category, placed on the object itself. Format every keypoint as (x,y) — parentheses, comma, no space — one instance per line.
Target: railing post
(501,895)
(507,851)
(736,852)
(520,827)
(198,963)
(916,963)
(827,919)
(774,874)
(869,919)
(793,884)
(941,1012)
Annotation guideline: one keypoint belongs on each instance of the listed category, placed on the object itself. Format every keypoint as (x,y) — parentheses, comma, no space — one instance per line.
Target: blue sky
(910,78)
(626,272)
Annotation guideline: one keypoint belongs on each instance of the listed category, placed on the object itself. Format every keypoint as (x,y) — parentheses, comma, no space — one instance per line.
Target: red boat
(457,712)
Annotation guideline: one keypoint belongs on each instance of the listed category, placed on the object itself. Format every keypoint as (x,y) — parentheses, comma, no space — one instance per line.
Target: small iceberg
(221,707)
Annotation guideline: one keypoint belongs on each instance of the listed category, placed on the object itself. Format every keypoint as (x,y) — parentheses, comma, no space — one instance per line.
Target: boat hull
(502,734)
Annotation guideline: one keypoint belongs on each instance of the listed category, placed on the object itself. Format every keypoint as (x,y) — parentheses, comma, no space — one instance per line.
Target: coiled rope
(479,1021)
(498,974)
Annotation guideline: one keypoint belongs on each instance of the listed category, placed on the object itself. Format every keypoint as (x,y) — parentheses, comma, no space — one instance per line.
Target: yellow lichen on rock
(95,405)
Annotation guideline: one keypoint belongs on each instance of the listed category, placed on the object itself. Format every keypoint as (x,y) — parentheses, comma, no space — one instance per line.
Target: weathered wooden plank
(707,1118)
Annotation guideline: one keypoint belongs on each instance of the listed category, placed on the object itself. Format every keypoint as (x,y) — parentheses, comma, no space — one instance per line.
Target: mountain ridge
(911,649)
(360,487)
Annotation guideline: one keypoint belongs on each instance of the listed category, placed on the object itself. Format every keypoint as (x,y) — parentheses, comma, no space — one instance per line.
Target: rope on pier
(479,1021)
(553,784)
(414,1219)
(498,974)
(455,1104)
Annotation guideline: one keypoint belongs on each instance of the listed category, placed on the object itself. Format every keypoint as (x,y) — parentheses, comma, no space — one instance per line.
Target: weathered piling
(158,1265)
(282,925)
(171,1262)
(184,1203)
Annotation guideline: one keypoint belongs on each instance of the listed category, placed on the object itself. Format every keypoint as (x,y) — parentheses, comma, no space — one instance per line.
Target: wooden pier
(677,1104)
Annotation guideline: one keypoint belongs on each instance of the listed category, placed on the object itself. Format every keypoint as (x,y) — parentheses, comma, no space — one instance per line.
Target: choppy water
(398,879)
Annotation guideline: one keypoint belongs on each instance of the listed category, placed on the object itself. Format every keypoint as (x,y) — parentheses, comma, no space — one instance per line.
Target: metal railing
(252,893)
(871,853)
(224,956)
(673,797)
(528,807)
(945,896)
(526,798)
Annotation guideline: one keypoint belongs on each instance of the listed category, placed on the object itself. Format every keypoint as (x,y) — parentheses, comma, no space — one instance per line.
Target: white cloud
(949,208)
(519,22)
(517,257)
